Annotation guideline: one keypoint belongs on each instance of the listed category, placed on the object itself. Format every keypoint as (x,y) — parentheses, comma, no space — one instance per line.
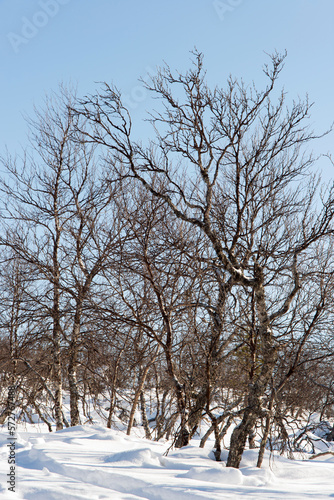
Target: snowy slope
(92,462)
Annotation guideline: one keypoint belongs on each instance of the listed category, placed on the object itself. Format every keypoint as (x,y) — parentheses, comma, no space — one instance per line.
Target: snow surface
(93,462)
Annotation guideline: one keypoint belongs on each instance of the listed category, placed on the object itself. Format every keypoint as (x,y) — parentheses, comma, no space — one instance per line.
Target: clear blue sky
(44,42)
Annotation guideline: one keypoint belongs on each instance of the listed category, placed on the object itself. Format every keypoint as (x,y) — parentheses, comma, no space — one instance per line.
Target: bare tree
(37,203)
(91,237)
(229,163)
(25,363)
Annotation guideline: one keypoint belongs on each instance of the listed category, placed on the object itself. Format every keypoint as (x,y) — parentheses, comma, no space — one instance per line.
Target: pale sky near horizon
(45,42)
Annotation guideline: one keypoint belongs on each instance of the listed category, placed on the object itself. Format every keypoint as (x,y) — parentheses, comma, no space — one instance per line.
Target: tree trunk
(57,375)
(251,439)
(266,432)
(56,334)
(253,410)
(183,435)
(74,393)
(218,450)
(142,378)
(257,389)
(72,368)
(144,416)
(112,398)
(330,435)
(239,437)
(197,411)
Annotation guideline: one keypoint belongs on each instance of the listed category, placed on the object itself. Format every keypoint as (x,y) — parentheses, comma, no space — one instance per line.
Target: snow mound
(144,457)
(222,475)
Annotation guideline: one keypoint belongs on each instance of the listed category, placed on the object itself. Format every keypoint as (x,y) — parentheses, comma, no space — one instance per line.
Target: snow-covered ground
(92,462)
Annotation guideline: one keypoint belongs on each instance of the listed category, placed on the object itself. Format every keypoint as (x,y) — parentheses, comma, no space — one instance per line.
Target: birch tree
(230,162)
(37,203)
